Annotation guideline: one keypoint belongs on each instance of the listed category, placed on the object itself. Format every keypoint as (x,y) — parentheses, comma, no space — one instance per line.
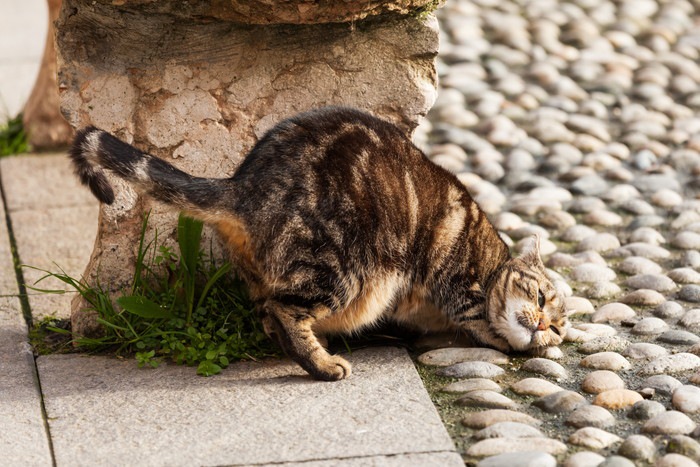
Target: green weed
(13,139)
(184,308)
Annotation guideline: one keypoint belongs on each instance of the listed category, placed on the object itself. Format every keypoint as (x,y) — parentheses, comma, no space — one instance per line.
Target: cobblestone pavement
(578,121)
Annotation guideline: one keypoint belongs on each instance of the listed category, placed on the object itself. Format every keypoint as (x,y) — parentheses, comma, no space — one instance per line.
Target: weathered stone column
(46,128)
(198,82)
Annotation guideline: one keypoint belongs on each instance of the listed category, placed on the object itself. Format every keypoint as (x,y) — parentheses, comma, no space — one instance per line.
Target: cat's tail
(95,151)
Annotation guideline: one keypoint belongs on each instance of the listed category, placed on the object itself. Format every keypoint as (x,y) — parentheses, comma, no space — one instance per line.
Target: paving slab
(8,280)
(23,436)
(42,181)
(433,459)
(106,411)
(54,220)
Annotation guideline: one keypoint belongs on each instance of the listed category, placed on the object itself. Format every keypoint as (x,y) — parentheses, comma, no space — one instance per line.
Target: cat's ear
(530,253)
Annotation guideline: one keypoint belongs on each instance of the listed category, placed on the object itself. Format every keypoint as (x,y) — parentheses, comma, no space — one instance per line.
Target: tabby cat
(337,221)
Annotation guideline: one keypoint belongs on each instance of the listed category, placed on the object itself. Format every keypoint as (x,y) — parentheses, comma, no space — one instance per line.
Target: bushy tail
(95,150)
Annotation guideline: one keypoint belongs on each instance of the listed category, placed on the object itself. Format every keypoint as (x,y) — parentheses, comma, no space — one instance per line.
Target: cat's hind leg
(291,325)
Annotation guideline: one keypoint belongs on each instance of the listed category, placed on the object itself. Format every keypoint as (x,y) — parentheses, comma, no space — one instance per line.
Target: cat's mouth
(549,336)
(541,333)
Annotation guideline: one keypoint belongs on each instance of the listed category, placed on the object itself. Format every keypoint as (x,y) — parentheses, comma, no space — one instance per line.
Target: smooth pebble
(617,461)
(684,445)
(644,250)
(687,240)
(604,344)
(486,399)
(599,242)
(690,293)
(638,265)
(676,363)
(508,430)
(617,398)
(560,402)
(679,337)
(520,459)
(669,309)
(544,366)
(453,355)
(649,326)
(643,297)
(685,276)
(669,423)
(690,319)
(686,399)
(657,282)
(645,409)
(589,272)
(486,418)
(605,361)
(603,290)
(496,446)
(578,306)
(590,415)
(601,380)
(613,312)
(593,438)
(472,384)
(584,459)
(471,370)
(535,387)
(675,460)
(644,350)
(597,329)
(663,384)
(637,447)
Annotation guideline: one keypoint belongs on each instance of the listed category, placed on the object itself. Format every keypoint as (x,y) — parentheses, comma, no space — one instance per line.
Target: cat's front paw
(331,368)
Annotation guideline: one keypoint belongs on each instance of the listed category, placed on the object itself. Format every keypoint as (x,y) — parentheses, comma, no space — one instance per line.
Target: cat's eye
(555,330)
(540,299)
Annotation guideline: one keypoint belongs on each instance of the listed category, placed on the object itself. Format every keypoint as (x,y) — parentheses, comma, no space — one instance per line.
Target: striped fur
(337,221)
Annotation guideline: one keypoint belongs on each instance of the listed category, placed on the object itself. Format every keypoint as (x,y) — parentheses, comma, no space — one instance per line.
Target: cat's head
(523,306)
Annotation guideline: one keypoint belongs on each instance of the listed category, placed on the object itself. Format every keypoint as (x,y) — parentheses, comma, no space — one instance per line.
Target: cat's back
(340,176)
(333,160)
(333,136)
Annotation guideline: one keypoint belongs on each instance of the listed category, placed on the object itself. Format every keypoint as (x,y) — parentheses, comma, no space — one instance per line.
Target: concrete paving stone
(437,459)
(23,436)
(253,413)
(52,239)
(54,221)
(42,182)
(8,281)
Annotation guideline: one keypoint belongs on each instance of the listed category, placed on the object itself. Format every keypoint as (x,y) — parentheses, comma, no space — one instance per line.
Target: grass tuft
(13,138)
(181,307)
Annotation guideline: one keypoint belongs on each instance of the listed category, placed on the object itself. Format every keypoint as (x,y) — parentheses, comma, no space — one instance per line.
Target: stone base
(45,126)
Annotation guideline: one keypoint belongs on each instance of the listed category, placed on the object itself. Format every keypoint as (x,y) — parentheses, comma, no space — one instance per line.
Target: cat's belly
(368,305)
(417,312)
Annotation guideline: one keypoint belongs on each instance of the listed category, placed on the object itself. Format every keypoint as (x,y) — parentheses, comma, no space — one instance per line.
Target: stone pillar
(197,83)
(46,128)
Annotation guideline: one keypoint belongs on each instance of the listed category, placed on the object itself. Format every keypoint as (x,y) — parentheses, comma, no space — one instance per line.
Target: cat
(336,221)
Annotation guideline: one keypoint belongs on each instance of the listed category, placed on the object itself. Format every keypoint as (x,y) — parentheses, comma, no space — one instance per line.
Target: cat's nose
(543,325)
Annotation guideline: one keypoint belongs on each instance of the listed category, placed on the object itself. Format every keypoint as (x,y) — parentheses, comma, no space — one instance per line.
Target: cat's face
(524,307)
